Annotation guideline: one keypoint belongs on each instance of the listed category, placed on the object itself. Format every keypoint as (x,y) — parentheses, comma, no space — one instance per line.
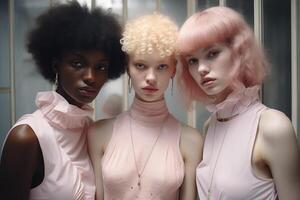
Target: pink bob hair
(226,26)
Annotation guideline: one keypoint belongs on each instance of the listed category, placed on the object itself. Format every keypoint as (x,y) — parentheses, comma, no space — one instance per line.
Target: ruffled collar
(236,103)
(152,113)
(62,114)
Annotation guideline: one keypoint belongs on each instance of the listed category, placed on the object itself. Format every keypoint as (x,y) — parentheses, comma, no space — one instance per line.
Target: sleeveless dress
(59,127)
(226,167)
(145,140)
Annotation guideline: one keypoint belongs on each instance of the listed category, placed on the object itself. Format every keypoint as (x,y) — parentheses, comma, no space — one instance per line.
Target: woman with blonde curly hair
(145,153)
(250,151)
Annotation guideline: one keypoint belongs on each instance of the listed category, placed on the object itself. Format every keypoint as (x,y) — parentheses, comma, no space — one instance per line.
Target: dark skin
(81,75)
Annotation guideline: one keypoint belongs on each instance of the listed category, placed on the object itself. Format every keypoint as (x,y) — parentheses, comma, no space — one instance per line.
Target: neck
(149,101)
(148,112)
(235,102)
(218,98)
(69,99)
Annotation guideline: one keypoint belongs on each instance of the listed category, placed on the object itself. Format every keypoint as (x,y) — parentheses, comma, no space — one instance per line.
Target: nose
(150,77)
(89,76)
(203,69)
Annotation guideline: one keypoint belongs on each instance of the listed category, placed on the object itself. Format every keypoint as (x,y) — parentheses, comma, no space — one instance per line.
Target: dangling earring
(129,84)
(56,79)
(172,85)
(54,63)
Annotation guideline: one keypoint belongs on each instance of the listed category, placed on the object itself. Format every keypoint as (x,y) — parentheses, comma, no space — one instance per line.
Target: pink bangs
(207,27)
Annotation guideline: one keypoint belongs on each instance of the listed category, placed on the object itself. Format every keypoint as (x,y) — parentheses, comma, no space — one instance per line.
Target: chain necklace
(214,168)
(220,149)
(140,173)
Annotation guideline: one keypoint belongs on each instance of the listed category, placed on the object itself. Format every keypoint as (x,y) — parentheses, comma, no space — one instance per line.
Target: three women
(145,153)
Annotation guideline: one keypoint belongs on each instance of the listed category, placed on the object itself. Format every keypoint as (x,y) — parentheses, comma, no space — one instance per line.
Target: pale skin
(149,70)
(276,154)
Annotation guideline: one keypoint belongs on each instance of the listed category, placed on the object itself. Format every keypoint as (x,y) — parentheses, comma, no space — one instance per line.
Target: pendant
(139,181)
(208,194)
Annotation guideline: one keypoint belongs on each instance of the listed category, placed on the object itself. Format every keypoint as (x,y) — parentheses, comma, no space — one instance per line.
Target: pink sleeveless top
(155,140)
(226,166)
(59,127)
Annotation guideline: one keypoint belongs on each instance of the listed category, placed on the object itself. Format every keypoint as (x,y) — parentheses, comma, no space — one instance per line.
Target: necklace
(217,159)
(221,147)
(140,173)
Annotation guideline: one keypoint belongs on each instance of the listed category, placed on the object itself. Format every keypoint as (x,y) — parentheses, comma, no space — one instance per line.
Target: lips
(207,81)
(150,89)
(87,91)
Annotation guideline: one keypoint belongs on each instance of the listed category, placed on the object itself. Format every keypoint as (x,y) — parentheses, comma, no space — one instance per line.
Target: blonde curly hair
(154,31)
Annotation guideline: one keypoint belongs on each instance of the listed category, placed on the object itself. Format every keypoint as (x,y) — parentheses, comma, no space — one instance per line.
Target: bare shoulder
(276,137)
(101,126)
(275,126)
(21,149)
(22,135)
(189,133)
(99,133)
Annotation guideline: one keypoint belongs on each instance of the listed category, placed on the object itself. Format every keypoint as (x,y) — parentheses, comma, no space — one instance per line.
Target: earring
(56,80)
(129,84)
(172,85)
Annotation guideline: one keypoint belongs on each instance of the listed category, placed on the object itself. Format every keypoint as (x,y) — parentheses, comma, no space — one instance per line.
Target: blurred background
(276,24)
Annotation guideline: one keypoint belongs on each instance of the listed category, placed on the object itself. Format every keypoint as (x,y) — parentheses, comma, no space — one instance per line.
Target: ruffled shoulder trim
(239,100)
(60,113)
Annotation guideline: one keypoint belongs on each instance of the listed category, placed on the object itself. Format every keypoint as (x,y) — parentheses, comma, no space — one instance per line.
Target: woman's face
(150,75)
(210,68)
(81,74)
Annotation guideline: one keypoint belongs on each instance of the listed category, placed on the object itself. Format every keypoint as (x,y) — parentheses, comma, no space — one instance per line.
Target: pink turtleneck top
(226,168)
(59,128)
(145,140)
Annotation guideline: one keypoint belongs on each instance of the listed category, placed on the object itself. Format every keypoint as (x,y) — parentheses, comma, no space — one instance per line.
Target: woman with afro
(45,154)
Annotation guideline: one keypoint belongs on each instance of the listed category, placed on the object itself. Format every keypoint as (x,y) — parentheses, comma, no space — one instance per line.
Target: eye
(192,62)
(78,64)
(103,66)
(140,66)
(162,67)
(213,54)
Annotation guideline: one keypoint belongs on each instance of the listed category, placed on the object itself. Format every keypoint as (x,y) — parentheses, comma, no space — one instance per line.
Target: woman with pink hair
(250,150)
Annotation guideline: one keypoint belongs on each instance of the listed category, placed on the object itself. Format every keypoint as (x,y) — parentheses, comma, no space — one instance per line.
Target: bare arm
(191,148)
(18,163)
(281,152)
(98,136)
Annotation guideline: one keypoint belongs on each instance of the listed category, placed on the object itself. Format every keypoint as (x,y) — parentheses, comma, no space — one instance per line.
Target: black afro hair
(71,27)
